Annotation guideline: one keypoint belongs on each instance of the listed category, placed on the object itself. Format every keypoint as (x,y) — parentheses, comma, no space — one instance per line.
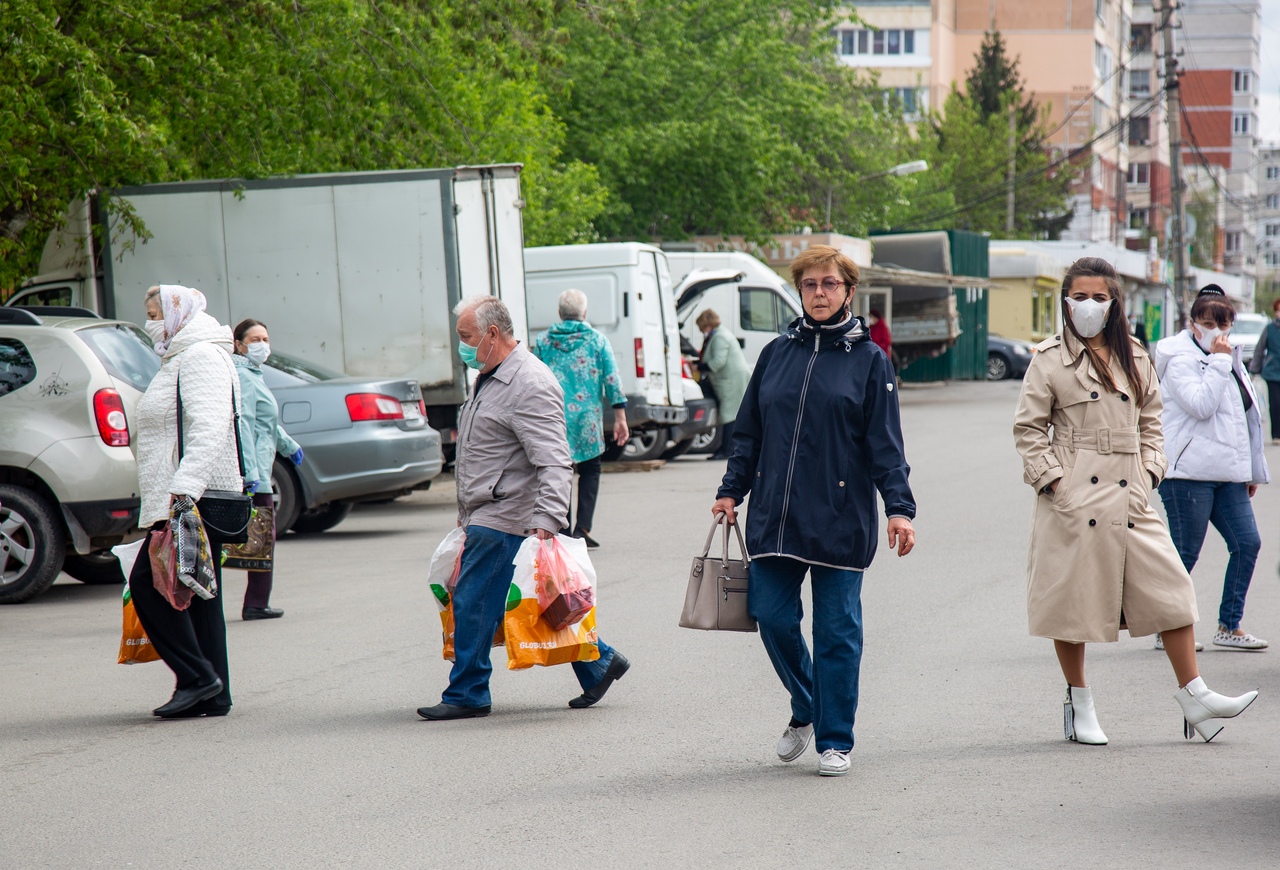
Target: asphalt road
(960,759)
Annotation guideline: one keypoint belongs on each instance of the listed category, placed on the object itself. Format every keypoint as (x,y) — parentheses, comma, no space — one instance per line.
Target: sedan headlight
(1021,350)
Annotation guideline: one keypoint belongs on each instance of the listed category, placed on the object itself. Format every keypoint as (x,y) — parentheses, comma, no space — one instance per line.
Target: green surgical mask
(468,354)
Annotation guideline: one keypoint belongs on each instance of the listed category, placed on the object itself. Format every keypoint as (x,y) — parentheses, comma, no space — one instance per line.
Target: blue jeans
(479,602)
(1191,505)
(824,688)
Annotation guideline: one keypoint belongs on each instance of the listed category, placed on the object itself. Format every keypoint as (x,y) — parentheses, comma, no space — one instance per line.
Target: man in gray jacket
(513,473)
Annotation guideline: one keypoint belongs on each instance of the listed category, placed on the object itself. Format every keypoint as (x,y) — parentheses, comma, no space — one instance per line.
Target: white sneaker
(793,742)
(833,763)
(1238,641)
(1160,644)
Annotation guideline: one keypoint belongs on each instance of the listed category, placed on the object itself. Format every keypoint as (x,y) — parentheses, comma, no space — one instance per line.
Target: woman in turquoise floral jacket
(583,363)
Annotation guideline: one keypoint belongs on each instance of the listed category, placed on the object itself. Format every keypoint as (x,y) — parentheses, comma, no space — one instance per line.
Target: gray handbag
(716,599)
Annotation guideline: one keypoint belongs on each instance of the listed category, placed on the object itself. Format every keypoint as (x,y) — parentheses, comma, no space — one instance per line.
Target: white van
(753,301)
(629,299)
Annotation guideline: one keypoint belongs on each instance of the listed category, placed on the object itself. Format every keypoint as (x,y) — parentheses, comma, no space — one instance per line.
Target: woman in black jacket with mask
(817,435)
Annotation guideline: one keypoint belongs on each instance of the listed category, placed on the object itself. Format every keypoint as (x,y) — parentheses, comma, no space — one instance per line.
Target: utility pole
(1013,158)
(1177,187)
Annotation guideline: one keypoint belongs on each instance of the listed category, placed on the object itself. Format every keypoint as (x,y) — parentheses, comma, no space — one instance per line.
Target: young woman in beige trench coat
(1100,559)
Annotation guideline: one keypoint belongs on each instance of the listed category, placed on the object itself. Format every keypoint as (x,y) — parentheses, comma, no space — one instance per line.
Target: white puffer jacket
(1207,433)
(201,353)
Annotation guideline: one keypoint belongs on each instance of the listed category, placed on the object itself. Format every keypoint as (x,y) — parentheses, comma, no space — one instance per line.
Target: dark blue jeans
(824,688)
(1191,505)
(479,602)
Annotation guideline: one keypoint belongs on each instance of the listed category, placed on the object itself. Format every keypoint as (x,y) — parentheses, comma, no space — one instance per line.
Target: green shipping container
(966,360)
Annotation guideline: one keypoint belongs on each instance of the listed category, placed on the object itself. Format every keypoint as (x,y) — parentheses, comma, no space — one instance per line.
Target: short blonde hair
(823,255)
(708,319)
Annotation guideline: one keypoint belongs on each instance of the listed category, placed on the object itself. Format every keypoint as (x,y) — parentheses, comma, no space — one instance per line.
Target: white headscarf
(179,305)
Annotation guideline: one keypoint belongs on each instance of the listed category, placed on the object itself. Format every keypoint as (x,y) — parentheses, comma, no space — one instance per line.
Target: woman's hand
(726,506)
(901,535)
(1253,490)
(1220,345)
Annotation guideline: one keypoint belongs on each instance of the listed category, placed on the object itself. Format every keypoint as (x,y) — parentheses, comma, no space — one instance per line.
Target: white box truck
(630,300)
(356,271)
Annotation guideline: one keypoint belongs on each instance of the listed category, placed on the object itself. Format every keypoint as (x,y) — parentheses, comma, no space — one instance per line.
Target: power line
(1032,173)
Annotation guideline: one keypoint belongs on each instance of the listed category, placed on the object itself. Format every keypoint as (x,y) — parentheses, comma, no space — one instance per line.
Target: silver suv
(70,383)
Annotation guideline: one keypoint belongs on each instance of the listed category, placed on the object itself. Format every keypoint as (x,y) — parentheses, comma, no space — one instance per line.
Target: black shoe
(204,708)
(617,668)
(591,542)
(443,711)
(261,613)
(185,699)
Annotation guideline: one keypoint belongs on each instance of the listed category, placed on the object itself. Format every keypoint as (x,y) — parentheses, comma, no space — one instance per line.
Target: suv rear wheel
(33,542)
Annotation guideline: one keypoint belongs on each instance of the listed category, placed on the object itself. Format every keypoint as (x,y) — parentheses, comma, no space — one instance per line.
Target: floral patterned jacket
(582,361)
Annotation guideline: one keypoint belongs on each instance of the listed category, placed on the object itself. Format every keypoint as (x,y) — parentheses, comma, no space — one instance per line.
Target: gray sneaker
(833,763)
(793,742)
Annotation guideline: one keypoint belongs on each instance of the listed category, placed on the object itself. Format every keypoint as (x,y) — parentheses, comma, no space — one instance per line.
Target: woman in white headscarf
(196,358)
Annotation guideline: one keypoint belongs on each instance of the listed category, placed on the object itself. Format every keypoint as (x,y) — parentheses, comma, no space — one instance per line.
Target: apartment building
(1219,43)
(1072,55)
(1267,180)
(896,39)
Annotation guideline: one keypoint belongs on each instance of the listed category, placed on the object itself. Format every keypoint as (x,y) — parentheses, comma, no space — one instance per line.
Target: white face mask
(155,329)
(258,352)
(1206,336)
(1088,316)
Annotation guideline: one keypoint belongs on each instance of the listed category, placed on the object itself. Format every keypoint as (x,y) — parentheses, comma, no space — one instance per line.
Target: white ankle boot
(1200,705)
(1079,721)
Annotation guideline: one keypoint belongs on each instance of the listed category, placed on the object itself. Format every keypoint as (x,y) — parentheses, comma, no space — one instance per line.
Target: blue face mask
(468,354)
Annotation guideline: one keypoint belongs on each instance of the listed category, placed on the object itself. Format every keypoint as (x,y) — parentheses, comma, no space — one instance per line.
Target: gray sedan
(365,439)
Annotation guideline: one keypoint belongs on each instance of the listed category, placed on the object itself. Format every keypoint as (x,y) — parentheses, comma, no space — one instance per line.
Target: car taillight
(639,357)
(422,406)
(373,406)
(685,369)
(108,411)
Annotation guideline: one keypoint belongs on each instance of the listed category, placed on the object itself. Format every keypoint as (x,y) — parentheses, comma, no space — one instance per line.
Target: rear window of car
(124,352)
(282,370)
(17,368)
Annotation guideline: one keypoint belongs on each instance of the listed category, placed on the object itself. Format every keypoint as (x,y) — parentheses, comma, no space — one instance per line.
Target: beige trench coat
(1099,553)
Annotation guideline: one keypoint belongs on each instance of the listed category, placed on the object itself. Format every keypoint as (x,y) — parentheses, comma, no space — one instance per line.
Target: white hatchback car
(69,388)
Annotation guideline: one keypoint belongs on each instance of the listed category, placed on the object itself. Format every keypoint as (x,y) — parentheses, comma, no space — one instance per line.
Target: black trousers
(588,493)
(192,642)
(1273,400)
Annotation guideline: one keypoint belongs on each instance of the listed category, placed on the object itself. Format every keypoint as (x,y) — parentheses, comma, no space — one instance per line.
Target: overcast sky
(1269,98)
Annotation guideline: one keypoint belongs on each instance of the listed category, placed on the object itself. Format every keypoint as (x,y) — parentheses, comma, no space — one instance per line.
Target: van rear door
(670,333)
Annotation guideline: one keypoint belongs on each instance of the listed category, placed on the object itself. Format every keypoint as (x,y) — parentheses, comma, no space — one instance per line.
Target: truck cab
(630,300)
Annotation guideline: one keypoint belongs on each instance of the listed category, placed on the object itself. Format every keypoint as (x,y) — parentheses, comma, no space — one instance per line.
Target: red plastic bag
(164,570)
(564,592)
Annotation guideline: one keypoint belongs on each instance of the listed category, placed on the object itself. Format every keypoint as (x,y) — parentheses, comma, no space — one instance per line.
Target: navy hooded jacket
(818,433)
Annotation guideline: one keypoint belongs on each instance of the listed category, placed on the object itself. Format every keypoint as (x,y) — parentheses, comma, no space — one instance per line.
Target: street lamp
(901,169)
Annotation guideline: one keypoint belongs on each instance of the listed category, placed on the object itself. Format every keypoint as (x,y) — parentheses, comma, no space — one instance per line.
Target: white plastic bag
(444,562)
(128,554)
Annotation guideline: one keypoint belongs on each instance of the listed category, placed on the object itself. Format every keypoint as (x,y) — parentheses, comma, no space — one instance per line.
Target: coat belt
(1098,440)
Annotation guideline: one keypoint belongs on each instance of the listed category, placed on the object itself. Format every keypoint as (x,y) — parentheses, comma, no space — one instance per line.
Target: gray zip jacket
(513,468)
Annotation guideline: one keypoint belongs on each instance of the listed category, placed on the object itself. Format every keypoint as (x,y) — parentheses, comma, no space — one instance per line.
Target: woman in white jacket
(192,642)
(1213,439)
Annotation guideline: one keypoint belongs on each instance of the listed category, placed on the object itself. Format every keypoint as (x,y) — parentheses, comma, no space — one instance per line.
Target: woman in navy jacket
(817,435)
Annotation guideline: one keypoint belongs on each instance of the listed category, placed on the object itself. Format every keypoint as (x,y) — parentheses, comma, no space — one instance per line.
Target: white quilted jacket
(201,353)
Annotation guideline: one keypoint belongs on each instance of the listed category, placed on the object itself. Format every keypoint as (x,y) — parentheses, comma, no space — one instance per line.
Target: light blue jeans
(479,602)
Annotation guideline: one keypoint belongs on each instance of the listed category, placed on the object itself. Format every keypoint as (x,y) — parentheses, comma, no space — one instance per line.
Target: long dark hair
(1116,327)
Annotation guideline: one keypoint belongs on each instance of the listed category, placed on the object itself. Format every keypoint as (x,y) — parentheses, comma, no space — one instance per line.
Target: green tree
(96,95)
(725,117)
(971,137)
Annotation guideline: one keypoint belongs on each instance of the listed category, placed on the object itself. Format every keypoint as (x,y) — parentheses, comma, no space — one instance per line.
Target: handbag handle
(235,411)
(737,529)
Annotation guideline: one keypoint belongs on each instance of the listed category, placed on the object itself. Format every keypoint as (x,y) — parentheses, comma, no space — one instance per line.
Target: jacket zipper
(795,439)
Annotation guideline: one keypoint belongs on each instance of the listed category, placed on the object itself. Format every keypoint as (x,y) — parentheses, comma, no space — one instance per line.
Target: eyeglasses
(830,285)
